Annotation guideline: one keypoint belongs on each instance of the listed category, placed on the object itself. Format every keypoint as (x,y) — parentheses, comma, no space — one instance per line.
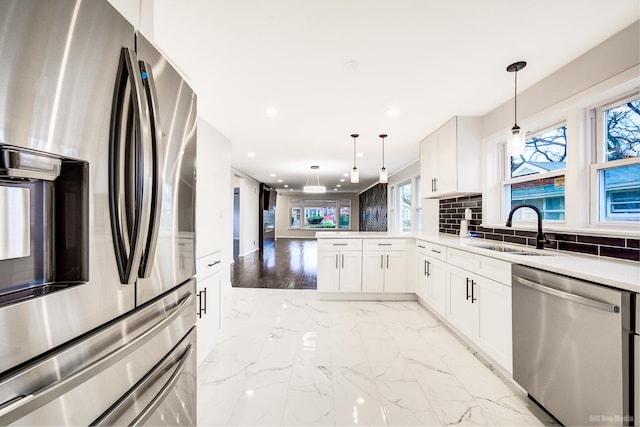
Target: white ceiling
(334,67)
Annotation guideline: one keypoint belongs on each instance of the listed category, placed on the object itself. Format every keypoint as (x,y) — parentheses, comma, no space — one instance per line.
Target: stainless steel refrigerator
(97,239)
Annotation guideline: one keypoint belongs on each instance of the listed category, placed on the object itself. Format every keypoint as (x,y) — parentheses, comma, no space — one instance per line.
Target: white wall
(607,69)
(249,197)
(214,194)
(282,214)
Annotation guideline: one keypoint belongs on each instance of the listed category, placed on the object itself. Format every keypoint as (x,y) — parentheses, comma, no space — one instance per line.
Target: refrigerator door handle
(128,161)
(156,170)
(14,410)
(115,413)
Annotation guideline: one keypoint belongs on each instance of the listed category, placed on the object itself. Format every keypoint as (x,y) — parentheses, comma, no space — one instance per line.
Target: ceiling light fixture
(384,176)
(314,188)
(517,134)
(392,111)
(355,174)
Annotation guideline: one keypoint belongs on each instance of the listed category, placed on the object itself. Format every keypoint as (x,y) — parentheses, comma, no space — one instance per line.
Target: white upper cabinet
(450,158)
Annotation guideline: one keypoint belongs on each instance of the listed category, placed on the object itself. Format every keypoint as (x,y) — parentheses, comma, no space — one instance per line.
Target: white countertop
(362,235)
(608,271)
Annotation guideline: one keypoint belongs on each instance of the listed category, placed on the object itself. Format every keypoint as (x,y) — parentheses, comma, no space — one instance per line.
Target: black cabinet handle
(468,289)
(214,263)
(428,268)
(202,302)
(473,298)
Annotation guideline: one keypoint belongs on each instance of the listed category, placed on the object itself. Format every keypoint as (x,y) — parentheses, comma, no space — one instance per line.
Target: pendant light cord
(515,99)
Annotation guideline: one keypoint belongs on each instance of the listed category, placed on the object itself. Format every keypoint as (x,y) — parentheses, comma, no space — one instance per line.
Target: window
(536,177)
(315,214)
(616,173)
(405,202)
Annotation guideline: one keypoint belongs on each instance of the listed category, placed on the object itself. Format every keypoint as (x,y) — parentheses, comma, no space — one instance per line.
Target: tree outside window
(618,174)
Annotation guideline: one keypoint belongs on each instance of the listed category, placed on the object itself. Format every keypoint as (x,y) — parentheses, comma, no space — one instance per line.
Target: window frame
(600,164)
(507,181)
(308,203)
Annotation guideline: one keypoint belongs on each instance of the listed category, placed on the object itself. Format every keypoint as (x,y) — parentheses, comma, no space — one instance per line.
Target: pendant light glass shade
(384,176)
(355,174)
(518,136)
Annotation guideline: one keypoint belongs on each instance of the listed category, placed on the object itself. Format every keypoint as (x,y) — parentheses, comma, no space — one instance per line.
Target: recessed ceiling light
(335,189)
(291,189)
(345,174)
(392,111)
(279,180)
(272,112)
(341,179)
(338,185)
(272,174)
(360,154)
(251,154)
(286,186)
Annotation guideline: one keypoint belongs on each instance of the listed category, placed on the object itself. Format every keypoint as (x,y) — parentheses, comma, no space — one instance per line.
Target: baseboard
(355,296)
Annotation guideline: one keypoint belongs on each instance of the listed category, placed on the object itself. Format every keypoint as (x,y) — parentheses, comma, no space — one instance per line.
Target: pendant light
(314,188)
(384,176)
(517,135)
(355,174)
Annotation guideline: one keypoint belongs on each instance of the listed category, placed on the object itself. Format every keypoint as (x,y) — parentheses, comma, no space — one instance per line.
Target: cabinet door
(328,271)
(493,325)
(350,271)
(447,178)
(460,310)
(421,277)
(437,285)
(209,310)
(373,271)
(395,276)
(428,164)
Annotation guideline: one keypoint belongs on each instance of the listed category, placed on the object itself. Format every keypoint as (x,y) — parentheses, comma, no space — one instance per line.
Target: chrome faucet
(540,237)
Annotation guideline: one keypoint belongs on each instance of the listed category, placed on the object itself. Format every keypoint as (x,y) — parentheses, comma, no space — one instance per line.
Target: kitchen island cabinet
(340,265)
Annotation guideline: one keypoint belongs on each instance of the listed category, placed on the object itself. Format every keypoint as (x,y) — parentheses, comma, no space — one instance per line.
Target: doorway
(236,222)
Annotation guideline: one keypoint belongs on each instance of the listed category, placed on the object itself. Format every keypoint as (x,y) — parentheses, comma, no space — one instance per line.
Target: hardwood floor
(287,264)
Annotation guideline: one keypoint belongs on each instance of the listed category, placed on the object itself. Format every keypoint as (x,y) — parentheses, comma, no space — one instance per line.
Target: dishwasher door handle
(600,305)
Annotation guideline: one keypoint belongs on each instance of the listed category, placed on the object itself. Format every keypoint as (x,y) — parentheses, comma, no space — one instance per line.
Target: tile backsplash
(452,212)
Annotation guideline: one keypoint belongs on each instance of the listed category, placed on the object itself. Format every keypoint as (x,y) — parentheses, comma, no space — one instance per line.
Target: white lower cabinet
(461,311)
(209,299)
(431,281)
(383,271)
(493,327)
(340,265)
(479,306)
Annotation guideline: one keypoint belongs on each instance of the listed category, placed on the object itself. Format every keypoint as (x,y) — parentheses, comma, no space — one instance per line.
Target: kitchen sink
(514,251)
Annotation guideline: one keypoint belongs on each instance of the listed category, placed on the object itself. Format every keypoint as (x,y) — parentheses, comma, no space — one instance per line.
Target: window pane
(545,194)
(404,192)
(295,218)
(621,188)
(345,214)
(543,152)
(320,217)
(622,129)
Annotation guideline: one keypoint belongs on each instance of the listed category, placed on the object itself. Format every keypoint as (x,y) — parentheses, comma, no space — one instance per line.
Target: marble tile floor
(284,358)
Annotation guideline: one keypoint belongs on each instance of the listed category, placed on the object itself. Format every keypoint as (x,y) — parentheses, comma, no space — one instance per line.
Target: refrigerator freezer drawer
(124,358)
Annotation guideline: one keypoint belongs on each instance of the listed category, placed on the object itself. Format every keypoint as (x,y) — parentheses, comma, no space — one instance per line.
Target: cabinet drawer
(460,259)
(384,244)
(422,247)
(209,264)
(437,251)
(494,269)
(339,244)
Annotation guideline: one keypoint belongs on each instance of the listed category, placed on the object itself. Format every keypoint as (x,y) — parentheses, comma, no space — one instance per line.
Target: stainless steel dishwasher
(575,347)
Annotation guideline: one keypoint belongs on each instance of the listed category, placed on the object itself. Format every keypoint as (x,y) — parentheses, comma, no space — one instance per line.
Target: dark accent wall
(373,209)
(452,211)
